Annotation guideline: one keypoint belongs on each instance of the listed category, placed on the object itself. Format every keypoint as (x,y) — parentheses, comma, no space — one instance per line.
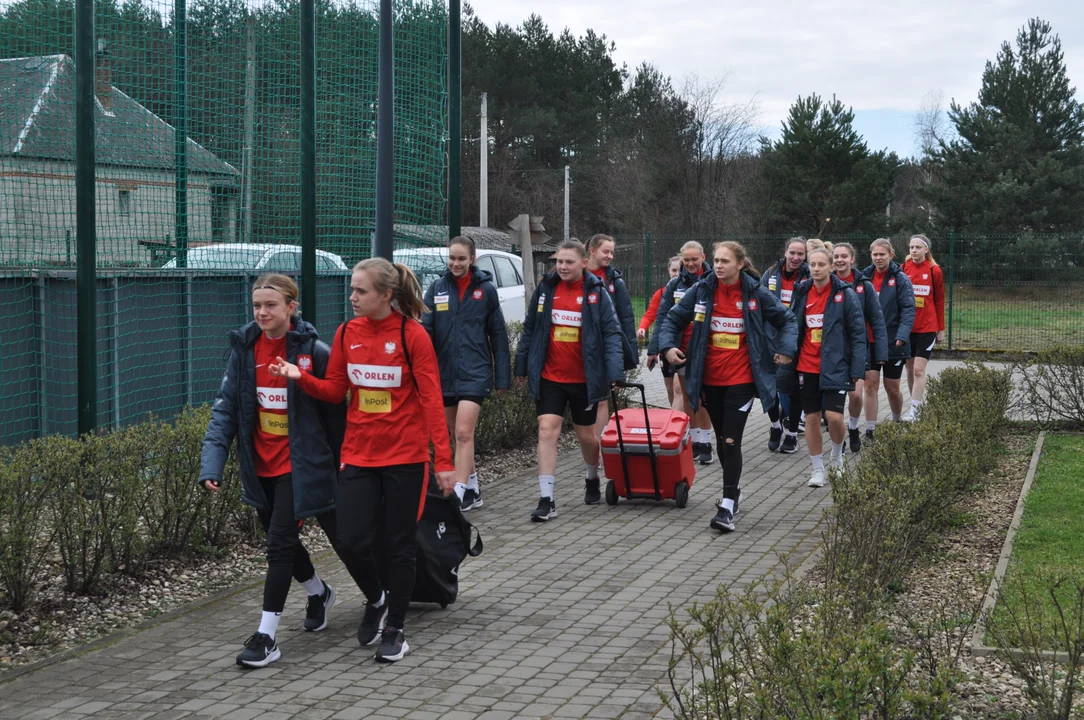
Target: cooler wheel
(681,494)
(611,493)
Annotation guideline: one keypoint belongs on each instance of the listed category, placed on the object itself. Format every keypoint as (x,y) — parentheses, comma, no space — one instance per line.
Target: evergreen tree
(1018,163)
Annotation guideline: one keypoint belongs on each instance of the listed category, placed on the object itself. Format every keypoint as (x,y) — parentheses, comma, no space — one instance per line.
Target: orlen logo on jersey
(375,376)
(734,326)
(814,320)
(271,398)
(568,318)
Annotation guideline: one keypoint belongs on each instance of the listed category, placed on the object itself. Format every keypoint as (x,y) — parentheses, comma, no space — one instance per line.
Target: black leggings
(775,411)
(728,407)
(286,556)
(387,500)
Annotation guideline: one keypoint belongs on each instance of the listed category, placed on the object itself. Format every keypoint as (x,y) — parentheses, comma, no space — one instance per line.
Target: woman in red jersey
(385,358)
(929,328)
(673,267)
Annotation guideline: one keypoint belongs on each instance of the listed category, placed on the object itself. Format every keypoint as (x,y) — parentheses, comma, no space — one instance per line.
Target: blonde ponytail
(406,291)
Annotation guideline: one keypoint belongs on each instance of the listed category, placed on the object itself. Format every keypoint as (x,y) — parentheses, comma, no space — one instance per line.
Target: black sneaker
(592,494)
(705,457)
(393,646)
(790,444)
(316,612)
(856,440)
(471,499)
(372,622)
(260,651)
(775,437)
(546,510)
(869,437)
(723,520)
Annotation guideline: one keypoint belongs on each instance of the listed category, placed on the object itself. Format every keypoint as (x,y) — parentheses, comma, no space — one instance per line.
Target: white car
(430,263)
(261,257)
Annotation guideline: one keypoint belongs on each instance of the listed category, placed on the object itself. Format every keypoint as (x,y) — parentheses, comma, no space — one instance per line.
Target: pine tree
(1018,163)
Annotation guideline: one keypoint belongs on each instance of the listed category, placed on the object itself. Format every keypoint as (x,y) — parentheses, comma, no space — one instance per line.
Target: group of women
(343,433)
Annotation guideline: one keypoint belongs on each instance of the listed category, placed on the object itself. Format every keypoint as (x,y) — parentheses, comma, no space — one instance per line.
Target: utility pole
(455,120)
(250,126)
(85,237)
(483,191)
(385,119)
(567,235)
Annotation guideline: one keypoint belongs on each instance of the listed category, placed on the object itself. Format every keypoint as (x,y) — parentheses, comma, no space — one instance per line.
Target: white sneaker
(909,416)
(837,466)
(817,480)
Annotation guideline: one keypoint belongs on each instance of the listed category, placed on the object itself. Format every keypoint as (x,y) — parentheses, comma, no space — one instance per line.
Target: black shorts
(892,370)
(453,400)
(667,369)
(554,397)
(922,344)
(813,400)
(870,354)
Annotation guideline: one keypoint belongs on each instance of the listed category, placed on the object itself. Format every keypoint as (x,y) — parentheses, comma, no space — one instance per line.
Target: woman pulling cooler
(288,450)
(877,341)
(673,267)
(897,301)
(780,280)
(386,360)
(569,354)
(929,328)
(467,327)
(831,357)
(729,360)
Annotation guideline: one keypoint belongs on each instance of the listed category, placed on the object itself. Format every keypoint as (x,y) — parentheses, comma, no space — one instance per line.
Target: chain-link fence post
(85,228)
(649,286)
(951,281)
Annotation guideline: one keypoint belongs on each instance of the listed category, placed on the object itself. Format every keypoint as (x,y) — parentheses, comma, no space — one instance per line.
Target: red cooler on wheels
(647,453)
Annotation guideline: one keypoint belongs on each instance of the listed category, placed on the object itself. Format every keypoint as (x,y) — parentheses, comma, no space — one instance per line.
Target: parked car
(429,263)
(257,257)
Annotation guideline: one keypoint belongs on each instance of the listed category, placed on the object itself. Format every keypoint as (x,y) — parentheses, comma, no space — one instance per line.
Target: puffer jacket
(469,336)
(671,295)
(772,280)
(622,304)
(761,309)
(897,300)
(871,313)
(316,428)
(601,337)
(843,345)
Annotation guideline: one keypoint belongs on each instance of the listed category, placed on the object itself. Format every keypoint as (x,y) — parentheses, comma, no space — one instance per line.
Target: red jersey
(463,283)
(860,291)
(929,296)
(272,438)
(679,293)
(786,287)
(809,356)
(878,280)
(391,398)
(728,349)
(564,359)
(652,310)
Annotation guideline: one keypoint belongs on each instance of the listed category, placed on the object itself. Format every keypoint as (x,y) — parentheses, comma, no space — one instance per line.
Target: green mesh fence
(1006,292)
(161,330)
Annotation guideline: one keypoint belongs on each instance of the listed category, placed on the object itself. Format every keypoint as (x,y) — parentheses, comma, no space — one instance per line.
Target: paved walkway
(564,619)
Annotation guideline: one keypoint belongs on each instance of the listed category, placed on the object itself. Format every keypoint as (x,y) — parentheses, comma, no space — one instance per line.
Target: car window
(486,263)
(283,262)
(325,263)
(506,274)
(222,258)
(518,264)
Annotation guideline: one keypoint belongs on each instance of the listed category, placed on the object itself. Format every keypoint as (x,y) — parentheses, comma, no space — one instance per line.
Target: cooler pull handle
(647,426)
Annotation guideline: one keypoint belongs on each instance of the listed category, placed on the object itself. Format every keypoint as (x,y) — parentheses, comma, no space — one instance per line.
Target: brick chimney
(103,81)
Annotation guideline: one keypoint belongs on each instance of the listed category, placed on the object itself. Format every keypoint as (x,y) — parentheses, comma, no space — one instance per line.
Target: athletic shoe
(372,622)
(775,437)
(790,444)
(869,437)
(723,520)
(260,651)
(837,466)
(471,499)
(546,509)
(801,425)
(705,457)
(856,440)
(316,612)
(909,416)
(592,495)
(393,646)
(817,480)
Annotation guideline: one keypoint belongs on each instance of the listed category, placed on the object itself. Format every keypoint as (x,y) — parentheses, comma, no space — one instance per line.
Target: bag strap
(476,549)
(406,350)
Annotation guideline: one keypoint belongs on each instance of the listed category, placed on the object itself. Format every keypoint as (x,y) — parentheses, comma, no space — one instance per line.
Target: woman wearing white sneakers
(897,300)
(929,329)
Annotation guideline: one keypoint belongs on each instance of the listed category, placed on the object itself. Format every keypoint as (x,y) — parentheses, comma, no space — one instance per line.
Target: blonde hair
(281,283)
(739,254)
(817,244)
(820,247)
(692,245)
(406,291)
(883,242)
(925,241)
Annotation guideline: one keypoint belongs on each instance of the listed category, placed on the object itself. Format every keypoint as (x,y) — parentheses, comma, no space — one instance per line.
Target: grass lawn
(1008,323)
(1050,541)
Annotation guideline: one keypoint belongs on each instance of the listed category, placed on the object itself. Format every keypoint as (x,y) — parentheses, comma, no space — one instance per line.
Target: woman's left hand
(501,392)
(940,337)
(446,482)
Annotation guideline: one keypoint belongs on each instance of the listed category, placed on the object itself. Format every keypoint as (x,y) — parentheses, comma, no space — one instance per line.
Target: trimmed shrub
(27,529)
(1051,386)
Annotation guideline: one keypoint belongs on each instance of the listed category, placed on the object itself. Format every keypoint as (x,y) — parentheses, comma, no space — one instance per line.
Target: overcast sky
(880,58)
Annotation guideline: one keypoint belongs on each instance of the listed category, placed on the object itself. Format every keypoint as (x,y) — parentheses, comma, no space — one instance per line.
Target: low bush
(27,529)
(1051,386)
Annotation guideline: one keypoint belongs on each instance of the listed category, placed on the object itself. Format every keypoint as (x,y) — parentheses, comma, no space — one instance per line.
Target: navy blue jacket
(761,310)
(599,332)
(673,293)
(316,428)
(843,340)
(897,298)
(622,303)
(771,281)
(469,336)
(871,313)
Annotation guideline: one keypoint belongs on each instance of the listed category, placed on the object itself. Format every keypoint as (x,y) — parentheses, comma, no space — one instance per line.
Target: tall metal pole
(86,320)
(250,125)
(951,281)
(483,190)
(567,231)
(308,159)
(455,119)
(385,159)
(180,125)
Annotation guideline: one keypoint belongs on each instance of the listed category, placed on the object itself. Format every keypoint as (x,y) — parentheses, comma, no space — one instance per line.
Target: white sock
(896,417)
(818,461)
(871,425)
(460,488)
(591,470)
(777,425)
(915,405)
(269,623)
(314,585)
(728,504)
(791,434)
(472,481)
(545,486)
(852,422)
(837,451)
